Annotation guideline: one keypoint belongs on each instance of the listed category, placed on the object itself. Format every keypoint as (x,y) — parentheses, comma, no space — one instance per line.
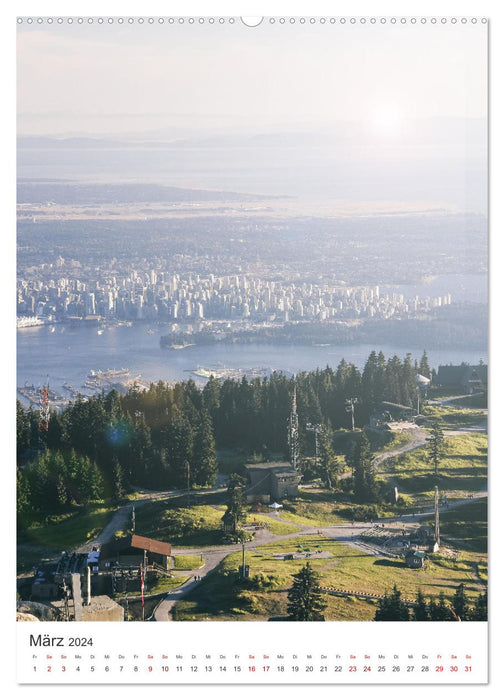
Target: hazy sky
(113,78)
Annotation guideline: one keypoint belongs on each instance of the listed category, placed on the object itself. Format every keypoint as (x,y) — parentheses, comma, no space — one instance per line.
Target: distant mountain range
(306,139)
(88,193)
(341,135)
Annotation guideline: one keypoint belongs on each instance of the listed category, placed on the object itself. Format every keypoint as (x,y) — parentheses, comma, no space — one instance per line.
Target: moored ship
(29,321)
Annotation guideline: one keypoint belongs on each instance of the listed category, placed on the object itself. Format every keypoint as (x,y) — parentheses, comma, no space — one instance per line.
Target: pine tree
(392,608)
(461,603)
(409,389)
(23,498)
(178,442)
(480,610)
(22,431)
(393,380)
(440,611)
(235,499)
(96,487)
(365,488)
(328,463)
(306,603)
(205,456)
(138,462)
(424,368)
(117,481)
(421,608)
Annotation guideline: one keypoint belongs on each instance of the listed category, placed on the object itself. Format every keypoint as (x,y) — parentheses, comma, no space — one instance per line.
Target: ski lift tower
(349,408)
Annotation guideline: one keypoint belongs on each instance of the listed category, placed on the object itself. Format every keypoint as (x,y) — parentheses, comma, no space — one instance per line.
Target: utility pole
(188,470)
(142,590)
(243,568)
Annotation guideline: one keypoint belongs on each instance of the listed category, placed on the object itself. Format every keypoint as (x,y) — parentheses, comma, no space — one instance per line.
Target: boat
(181,346)
(29,321)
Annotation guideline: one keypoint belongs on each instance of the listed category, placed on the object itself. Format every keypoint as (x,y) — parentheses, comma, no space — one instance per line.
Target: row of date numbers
(261,669)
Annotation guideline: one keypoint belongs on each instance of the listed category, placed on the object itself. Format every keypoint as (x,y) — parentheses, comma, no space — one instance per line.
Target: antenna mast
(293,433)
(44,414)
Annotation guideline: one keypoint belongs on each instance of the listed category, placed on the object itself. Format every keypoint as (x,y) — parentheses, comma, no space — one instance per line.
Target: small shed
(228,522)
(396,411)
(415,558)
(129,551)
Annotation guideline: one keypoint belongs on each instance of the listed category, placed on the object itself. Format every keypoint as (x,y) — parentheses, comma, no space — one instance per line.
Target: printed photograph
(252,319)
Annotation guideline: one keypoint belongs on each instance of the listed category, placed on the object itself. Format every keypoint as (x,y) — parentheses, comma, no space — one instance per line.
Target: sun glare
(387,120)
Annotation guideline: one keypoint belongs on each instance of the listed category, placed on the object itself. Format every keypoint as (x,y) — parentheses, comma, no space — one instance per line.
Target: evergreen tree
(54,434)
(365,487)
(306,603)
(95,483)
(409,389)
(235,499)
(461,603)
(373,383)
(480,610)
(61,491)
(138,461)
(205,456)
(23,499)
(424,368)
(328,463)
(117,481)
(211,396)
(369,389)
(178,444)
(392,608)
(393,380)
(440,611)
(23,431)
(352,456)
(421,608)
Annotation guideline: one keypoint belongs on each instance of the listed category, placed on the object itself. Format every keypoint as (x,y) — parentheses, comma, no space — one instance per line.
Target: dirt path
(418,438)
(121,520)
(347,534)
(213,556)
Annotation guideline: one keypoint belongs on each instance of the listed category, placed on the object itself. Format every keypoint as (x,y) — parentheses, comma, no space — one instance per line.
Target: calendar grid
(342,653)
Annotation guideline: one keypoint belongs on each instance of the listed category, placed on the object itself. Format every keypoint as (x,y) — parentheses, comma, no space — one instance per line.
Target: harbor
(97,381)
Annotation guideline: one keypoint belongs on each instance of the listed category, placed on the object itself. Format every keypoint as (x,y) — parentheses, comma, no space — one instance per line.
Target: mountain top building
(271,481)
(134,550)
(471,378)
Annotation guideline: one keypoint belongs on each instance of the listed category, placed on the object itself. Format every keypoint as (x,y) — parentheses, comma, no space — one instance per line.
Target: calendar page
(251,349)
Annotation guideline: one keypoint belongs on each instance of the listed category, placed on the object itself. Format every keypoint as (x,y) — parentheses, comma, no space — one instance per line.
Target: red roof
(154,546)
